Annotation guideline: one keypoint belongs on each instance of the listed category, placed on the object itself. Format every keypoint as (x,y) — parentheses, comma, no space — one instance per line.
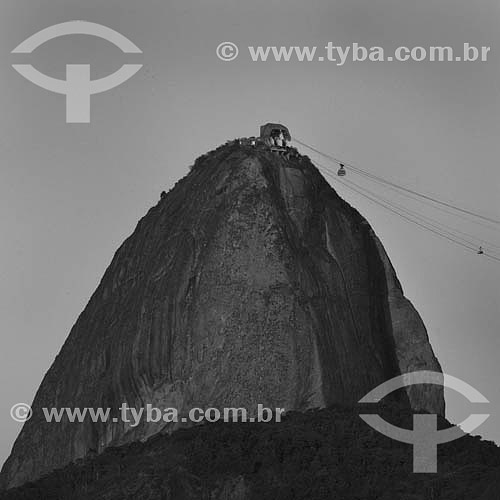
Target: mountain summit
(250,282)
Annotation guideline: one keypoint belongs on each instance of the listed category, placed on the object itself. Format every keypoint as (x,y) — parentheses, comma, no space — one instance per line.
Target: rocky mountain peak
(250,282)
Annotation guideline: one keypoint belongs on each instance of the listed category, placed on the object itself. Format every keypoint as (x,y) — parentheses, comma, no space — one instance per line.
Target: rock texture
(250,282)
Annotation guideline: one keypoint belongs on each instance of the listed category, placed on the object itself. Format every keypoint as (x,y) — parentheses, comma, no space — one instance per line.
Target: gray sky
(70,194)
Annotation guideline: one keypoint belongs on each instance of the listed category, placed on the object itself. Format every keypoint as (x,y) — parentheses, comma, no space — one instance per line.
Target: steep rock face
(250,282)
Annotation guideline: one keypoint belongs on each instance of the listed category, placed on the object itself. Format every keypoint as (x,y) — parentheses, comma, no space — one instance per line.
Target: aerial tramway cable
(397,186)
(436,231)
(440,229)
(466,237)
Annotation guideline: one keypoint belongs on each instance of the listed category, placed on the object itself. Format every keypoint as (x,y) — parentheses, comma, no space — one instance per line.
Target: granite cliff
(250,282)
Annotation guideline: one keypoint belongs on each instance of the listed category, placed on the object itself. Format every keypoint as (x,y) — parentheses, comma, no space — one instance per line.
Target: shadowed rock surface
(317,455)
(250,282)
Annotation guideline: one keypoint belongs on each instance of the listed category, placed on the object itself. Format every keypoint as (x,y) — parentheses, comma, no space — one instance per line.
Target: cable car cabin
(341,171)
(276,136)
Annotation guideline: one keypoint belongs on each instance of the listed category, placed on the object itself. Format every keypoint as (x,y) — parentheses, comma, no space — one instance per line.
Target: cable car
(341,171)
(480,251)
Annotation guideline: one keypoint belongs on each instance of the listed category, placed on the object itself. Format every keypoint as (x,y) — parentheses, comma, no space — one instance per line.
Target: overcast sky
(71,193)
